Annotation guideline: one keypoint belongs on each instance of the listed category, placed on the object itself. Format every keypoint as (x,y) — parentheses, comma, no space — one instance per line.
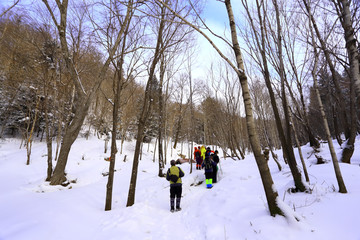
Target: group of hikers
(205,159)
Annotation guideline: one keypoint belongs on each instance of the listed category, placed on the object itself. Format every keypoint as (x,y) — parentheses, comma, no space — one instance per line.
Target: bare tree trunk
(284,138)
(342,188)
(343,9)
(49,151)
(271,193)
(340,98)
(30,138)
(191,117)
(109,185)
(289,149)
(47,128)
(83,99)
(119,86)
(161,117)
(145,111)
(299,148)
(350,38)
(166,138)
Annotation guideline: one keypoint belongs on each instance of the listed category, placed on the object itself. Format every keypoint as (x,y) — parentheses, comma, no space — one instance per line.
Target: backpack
(174,178)
(208,164)
(197,154)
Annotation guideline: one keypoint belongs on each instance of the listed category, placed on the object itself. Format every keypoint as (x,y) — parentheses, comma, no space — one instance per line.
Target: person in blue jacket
(208,164)
(174,175)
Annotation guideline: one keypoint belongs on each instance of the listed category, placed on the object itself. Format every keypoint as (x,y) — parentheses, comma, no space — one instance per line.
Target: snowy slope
(235,208)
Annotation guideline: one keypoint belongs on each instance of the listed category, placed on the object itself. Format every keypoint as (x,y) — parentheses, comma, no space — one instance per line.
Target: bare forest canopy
(289,74)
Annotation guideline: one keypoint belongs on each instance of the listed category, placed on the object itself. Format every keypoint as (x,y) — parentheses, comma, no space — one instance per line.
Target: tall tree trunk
(288,143)
(351,42)
(352,50)
(192,117)
(109,185)
(161,123)
(284,139)
(145,111)
(271,193)
(47,128)
(342,188)
(119,83)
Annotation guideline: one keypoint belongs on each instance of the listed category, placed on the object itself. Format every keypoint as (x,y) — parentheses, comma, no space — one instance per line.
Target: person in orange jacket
(198,158)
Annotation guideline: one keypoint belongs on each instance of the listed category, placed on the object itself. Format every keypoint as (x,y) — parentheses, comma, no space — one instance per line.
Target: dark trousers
(208,175)
(175,191)
(198,162)
(215,174)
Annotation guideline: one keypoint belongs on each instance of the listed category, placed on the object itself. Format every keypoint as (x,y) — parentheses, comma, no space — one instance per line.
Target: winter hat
(216,151)
(208,148)
(172,162)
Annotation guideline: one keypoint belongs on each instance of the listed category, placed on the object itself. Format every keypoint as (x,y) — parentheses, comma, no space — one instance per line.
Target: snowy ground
(235,208)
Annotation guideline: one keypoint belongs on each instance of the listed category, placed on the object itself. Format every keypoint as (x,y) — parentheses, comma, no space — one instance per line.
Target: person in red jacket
(198,158)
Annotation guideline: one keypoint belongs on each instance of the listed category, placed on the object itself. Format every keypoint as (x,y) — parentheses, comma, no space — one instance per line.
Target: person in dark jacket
(209,165)
(216,159)
(174,175)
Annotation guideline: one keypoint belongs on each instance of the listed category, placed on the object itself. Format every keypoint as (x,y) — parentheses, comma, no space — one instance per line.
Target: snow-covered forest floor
(235,208)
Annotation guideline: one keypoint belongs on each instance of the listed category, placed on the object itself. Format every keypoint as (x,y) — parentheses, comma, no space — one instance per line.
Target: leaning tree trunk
(285,142)
(271,193)
(83,99)
(340,180)
(69,138)
(289,149)
(342,188)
